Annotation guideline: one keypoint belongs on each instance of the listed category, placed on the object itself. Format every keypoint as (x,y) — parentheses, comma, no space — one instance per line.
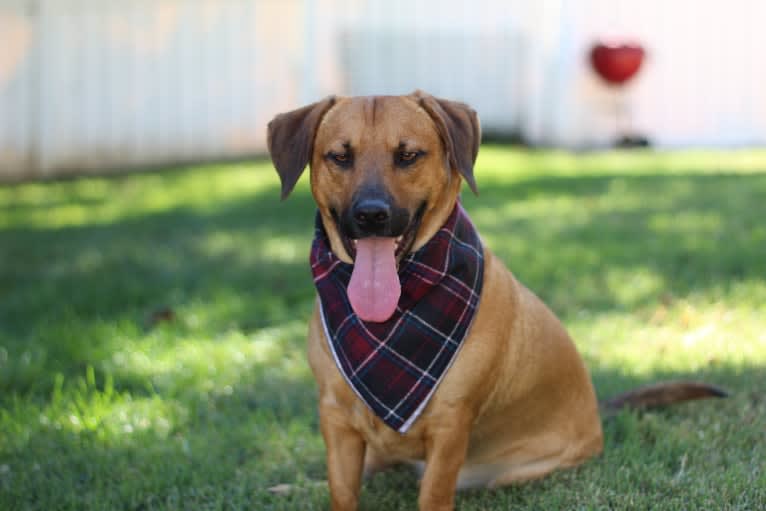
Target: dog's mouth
(374,288)
(403,242)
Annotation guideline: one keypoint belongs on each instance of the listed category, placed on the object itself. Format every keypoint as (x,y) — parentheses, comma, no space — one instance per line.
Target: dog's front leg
(345,457)
(446,447)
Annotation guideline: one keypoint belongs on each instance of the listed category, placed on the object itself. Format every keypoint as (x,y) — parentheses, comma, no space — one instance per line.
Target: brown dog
(517,401)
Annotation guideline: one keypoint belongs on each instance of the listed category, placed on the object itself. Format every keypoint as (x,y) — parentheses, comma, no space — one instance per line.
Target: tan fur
(517,402)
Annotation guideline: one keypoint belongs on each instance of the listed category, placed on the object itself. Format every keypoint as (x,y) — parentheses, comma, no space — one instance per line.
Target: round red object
(616,63)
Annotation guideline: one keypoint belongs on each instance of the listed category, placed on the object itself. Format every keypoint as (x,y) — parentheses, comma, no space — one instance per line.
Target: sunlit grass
(93,201)
(654,261)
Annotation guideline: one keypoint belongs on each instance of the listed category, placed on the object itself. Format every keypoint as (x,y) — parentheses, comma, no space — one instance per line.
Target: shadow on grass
(243,264)
(693,233)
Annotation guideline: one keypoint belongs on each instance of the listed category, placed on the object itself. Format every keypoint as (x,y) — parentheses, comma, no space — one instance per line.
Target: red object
(616,63)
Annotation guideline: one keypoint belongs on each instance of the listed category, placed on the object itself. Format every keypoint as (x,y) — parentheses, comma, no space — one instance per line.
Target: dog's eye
(344,160)
(405,158)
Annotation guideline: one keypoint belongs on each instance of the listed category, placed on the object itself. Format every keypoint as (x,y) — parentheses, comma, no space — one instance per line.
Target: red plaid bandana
(395,366)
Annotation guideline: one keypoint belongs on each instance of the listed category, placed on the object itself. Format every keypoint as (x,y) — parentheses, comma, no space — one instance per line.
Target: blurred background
(92,85)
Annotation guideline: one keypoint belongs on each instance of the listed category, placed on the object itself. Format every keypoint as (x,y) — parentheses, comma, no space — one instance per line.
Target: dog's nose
(371,215)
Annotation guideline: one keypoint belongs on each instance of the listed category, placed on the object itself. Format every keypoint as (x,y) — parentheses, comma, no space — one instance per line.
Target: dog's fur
(518,402)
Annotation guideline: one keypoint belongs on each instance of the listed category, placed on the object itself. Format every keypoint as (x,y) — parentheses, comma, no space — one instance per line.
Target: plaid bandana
(395,366)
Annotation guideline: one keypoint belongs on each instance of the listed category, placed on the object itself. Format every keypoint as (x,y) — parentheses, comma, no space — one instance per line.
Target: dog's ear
(291,141)
(460,132)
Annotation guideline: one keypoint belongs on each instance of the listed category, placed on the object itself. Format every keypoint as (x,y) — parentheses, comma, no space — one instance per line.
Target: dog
(511,400)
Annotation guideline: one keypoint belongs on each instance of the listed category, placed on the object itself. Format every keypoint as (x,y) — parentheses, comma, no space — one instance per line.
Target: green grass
(655,262)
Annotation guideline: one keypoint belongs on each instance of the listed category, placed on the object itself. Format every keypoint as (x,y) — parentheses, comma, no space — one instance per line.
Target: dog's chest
(338,399)
(382,438)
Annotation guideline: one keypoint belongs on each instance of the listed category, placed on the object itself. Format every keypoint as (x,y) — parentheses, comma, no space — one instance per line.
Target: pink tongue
(374,288)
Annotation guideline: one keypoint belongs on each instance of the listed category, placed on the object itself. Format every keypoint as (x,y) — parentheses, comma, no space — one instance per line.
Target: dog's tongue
(374,288)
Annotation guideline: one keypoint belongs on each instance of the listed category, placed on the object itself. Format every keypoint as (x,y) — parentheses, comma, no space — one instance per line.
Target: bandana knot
(395,366)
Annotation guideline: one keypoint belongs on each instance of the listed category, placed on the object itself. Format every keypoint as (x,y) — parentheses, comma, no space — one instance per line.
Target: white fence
(88,84)
(99,84)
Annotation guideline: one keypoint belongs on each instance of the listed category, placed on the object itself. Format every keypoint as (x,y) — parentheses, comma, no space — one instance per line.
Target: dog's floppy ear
(459,129)
(291,141)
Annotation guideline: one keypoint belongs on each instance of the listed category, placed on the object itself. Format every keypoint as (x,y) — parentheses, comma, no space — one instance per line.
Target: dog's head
(381,166)
(385,170)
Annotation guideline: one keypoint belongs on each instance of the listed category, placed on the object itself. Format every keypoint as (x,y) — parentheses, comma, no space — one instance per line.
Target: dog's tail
(662,394)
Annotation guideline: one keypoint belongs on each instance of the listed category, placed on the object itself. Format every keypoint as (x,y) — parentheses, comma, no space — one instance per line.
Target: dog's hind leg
(531,458)
(492,475)
(515,474)
(502,473)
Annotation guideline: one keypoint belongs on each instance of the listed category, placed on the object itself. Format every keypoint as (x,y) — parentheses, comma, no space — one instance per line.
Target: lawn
(152,332)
